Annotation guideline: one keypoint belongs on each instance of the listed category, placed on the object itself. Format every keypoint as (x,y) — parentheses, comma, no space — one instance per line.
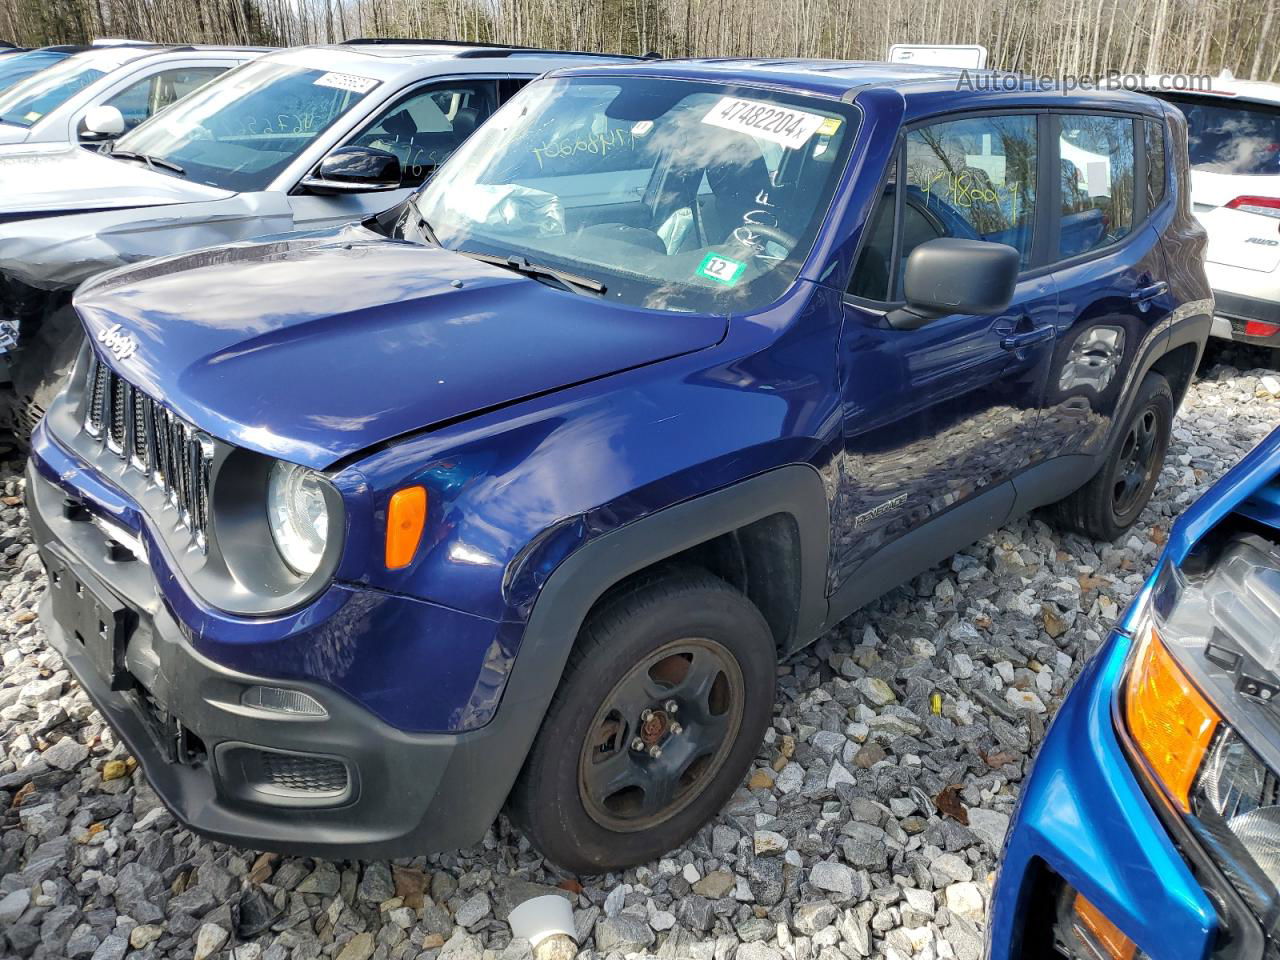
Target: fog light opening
(282,700)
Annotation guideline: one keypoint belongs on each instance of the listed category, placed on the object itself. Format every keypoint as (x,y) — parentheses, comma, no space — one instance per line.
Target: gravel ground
(868,828)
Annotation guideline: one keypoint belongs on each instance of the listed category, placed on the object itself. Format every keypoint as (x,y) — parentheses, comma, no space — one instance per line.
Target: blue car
(1149,825)
(514,495)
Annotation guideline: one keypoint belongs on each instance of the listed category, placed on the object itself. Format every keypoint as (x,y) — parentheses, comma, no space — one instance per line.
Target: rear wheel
(1106,506)
(662,707)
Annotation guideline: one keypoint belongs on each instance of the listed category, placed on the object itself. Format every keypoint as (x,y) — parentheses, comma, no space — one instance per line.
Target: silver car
(132,81)
(300,139)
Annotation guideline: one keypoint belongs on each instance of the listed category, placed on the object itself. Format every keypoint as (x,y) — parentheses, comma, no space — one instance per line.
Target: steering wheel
(776,234)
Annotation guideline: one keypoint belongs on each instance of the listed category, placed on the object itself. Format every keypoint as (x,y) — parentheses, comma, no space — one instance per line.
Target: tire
(1107,506)
(687,638)
(40,369)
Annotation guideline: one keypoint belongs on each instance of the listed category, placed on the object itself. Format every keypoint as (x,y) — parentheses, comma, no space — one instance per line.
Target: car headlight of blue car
(1197,707)
(298,513)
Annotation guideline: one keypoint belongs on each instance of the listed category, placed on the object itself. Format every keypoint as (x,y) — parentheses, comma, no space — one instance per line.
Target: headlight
(298,516)
(1201,708)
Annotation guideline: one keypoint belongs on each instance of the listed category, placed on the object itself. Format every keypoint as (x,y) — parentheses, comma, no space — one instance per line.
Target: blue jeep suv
(515,494)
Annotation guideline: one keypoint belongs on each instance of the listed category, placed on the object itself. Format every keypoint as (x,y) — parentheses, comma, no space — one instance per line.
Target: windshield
(19,66)
(26,103)
(241,130)
(673,194)
(1233,138)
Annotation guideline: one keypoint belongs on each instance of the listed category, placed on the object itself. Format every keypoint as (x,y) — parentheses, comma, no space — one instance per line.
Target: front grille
(303,774)
(174,455)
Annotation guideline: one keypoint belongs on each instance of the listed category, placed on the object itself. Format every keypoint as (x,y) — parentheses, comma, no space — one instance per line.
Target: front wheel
(662,706)
(1107,506)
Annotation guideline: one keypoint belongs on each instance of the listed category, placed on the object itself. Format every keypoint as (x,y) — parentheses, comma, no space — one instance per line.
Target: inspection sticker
(769,121)
(346,81)
(721,269)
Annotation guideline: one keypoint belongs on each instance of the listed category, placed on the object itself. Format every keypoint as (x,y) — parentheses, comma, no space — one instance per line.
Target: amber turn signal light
(1104,934)
(1170,720)
(406,516)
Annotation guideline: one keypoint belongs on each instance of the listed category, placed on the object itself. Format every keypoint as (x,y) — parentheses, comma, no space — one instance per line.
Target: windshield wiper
(572,282)
(424,227)
(150,161)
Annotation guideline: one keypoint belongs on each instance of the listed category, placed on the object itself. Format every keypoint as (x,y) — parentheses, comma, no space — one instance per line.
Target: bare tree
(1068,36)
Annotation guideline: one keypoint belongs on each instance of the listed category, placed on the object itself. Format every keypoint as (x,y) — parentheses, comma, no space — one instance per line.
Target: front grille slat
(119,413)
(172,454)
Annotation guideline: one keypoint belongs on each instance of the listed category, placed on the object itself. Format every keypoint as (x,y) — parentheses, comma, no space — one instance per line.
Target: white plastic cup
(542,917)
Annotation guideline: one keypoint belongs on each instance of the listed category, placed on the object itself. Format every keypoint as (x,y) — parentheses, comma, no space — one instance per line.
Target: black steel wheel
(1109,503)
(661,709)
(661,734)
(1137,462)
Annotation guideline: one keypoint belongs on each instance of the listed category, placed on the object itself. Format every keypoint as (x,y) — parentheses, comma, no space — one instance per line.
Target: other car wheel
(1106,506)
(662,706)
(40,369)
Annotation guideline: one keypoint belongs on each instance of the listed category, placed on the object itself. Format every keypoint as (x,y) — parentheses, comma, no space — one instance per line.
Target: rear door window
(1095,154)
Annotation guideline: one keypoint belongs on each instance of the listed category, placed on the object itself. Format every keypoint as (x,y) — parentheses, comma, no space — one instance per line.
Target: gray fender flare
(486,763)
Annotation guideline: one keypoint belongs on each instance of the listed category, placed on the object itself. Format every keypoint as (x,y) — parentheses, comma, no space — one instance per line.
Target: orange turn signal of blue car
(1150,824)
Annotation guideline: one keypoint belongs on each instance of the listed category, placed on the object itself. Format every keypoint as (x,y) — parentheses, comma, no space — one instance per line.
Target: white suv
(1234,141)
(132,80)
(299,139)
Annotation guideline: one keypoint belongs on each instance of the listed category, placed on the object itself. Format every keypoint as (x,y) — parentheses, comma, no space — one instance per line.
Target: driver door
(938,418)
(421,127)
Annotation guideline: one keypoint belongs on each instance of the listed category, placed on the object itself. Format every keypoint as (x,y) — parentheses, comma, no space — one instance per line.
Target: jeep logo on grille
(119,341)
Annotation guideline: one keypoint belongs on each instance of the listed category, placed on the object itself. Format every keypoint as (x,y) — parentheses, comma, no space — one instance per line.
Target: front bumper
(1084,820)
(343,785)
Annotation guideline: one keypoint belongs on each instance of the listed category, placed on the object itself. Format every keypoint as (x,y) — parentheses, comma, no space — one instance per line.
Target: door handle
(1143,295)
(1019,341)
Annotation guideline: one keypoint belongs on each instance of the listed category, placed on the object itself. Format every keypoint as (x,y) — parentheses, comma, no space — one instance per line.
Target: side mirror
(102,123)
(354,170)
(952,275)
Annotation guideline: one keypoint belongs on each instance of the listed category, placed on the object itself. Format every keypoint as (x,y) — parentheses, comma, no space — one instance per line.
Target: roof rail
(542,51)
(432,42)
(481,49)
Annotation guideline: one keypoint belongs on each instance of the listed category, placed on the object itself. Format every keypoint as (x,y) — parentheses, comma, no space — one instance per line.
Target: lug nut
(655,751)
(676,729)
(646,716)
(637,744)
(671,706)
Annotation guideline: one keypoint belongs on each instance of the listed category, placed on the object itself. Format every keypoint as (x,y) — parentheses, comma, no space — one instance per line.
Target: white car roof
(111,57)
(1222,87)
(403,61)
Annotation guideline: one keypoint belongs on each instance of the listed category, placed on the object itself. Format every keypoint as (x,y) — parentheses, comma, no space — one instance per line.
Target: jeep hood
(316,347)
(46,181)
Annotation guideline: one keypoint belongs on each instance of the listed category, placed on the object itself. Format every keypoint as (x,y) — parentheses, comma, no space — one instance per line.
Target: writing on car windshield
(240,131)
(674,195)
(28,102)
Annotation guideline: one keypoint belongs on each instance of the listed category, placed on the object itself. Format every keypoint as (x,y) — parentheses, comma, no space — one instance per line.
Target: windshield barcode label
(346,81)
(768,121)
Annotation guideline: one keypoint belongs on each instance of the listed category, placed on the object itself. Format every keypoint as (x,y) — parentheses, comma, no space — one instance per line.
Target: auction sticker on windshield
(721,269)
(770,121)
(346,81)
